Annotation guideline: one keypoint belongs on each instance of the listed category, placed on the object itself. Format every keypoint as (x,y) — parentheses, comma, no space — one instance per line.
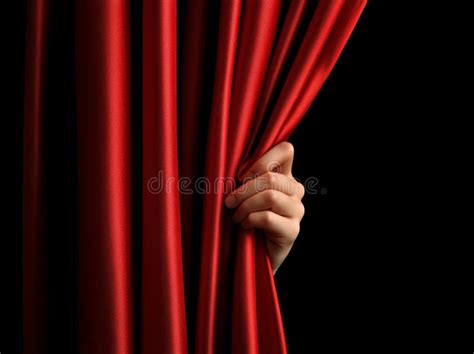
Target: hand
(270,199)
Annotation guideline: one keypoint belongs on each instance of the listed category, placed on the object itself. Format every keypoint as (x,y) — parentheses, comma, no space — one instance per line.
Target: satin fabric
(216,93)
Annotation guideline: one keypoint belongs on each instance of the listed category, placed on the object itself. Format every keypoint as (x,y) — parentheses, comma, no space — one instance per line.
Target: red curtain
(219,84)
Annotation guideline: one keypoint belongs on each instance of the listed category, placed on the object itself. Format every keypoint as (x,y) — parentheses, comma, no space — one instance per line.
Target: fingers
(278,159)
(269,180)
(272,200)
(283,230)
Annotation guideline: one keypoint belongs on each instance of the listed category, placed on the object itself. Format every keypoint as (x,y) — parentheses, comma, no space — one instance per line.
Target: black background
(328,284)
(331,287)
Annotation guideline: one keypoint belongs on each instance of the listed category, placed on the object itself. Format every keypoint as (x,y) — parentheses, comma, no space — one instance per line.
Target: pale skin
(270,200)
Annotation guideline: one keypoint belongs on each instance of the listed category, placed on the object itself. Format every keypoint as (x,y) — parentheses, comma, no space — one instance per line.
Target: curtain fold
(221,83)
(215,168)
(252,60)
(163,310)
(34,295)
(104,176)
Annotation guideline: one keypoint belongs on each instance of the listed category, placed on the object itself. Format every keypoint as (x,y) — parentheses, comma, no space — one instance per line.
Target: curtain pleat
(34,270)
(327,34)
(104,176)
(210,269)
(252,60)
(221,83)
(163,312)
(195,38)
(342,29)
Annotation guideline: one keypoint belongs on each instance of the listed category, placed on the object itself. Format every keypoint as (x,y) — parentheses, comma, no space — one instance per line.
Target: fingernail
(230,201)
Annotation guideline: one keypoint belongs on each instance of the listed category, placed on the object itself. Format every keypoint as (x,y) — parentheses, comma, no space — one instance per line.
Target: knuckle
(271,196)
(302,210)
(249,221)
(300,190)
(252,218)
(289,148)
(266,218)
(270,177)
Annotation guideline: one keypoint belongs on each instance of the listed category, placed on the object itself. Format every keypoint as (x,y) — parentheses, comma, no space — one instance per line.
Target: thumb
(278,159)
